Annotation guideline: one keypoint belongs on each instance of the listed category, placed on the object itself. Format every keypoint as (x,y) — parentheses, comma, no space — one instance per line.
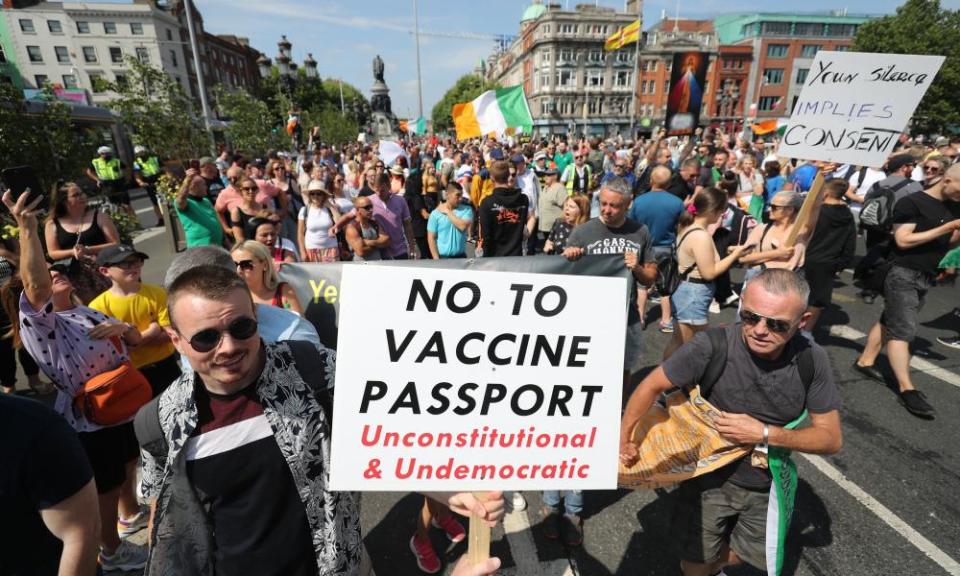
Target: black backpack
(877,211)
(146,425)
(668,269)
(718,362)
(740,226)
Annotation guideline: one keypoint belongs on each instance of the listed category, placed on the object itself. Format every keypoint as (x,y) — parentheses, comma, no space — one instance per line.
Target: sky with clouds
(345,35)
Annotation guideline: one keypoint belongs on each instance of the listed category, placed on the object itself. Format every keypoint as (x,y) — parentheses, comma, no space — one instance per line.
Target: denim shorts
(904,291)
(690,304)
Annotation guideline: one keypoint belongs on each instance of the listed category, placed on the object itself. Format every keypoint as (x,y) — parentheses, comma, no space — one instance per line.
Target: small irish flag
(492,112)
(767,126)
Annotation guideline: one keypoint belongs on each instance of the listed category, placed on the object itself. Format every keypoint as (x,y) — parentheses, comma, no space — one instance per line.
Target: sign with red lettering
(476,380)
(854,105)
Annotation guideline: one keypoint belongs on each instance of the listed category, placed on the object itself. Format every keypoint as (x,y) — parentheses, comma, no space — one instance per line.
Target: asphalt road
(887,504)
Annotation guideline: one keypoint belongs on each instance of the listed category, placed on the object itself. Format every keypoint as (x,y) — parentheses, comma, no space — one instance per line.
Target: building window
(173,58)
(83,27)
(566,107)
(593,78)
(567,56)
(624,57)
(773,76)
(109,27)
(544,107)
(842,48)
(643,86)
(808,29)
(653,86)
(568,28)
(810,50)
(96,81)
(596,57)
(121,79)
(116,55)
(89,54)
(566,79)
(544,80)
(63,56)
(69,81)
(545,56)
(767,103)
(169,35)
(777,50)
(802,75)
(622,78)
(40,80)
(26,25)
(777,28)
(595,106)
(136,28)
(54,27)
(33,52)
(143,55)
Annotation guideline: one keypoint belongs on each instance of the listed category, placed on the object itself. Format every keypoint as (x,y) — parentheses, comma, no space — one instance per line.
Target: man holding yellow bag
(746,411)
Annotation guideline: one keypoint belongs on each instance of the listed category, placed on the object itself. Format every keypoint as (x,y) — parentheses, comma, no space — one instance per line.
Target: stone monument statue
(383,124)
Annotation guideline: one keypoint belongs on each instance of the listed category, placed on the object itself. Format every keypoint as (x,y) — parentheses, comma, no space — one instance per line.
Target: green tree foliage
(251,128)
(40,135)
(355,104)
(158,112)
(466,89)
(923,27)
(334,127)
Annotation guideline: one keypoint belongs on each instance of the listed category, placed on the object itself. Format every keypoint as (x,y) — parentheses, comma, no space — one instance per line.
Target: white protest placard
(477,380)
(854,106)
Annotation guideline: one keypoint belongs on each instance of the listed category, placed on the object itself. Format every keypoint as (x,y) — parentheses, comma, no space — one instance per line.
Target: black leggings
(8,364)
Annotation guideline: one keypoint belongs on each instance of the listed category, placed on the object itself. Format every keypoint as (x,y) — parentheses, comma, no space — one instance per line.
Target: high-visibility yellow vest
(571,175)
(107,170)
(149,167)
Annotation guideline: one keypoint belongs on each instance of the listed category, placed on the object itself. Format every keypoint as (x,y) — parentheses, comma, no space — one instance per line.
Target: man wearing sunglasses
(239,476)
(721,518)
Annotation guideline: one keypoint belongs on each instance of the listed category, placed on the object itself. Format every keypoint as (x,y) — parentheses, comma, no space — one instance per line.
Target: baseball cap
(116,254)
(551,169)
(518,159)
(138,149)
(539,156)
(496,154)
(464,172)
(206,160)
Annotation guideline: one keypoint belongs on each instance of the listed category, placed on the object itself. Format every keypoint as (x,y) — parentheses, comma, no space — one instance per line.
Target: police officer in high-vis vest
(108,173)
(577,176)
(147,170)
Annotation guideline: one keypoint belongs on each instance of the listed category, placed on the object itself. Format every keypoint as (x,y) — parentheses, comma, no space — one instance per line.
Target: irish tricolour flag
(492,113)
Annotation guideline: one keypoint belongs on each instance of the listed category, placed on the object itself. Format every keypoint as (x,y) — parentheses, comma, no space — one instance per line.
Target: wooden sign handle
(478,548)
(806,211)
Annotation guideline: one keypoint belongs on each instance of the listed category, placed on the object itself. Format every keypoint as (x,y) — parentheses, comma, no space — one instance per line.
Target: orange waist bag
(115,395)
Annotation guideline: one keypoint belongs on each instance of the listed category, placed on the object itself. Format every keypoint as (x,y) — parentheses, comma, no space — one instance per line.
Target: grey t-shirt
(595,237)
(769,390)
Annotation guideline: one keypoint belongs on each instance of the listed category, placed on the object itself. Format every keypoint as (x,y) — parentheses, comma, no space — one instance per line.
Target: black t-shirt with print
(41,464)
(242,479)
(927,213)
(769,390)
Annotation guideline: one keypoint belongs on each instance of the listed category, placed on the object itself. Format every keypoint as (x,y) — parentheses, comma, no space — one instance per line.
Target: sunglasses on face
(931,169)
(778,207)
(773,324)
(249,188)
(245,264)
(243,328)
(365,207)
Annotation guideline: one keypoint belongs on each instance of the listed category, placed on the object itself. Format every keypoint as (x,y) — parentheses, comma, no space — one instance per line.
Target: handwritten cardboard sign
(854,106)
(454,380)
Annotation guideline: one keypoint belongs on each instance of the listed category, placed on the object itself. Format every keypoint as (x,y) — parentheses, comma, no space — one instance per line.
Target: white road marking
(950,565)
(149,234)
(516,526)
(918,364)
(145,210)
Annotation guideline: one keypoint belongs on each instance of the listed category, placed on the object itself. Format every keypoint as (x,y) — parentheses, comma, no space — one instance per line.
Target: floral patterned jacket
(182,539)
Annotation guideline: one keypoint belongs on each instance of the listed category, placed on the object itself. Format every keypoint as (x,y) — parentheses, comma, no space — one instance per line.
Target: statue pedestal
(381,126)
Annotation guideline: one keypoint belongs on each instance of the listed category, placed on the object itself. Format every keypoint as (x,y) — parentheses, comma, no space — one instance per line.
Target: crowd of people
(231,450)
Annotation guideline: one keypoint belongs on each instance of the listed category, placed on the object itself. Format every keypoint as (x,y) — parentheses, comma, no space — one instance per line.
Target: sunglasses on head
(243,328)
(245,264)
(773,324)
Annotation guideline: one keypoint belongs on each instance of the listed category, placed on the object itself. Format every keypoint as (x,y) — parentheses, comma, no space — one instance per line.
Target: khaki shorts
(709,511)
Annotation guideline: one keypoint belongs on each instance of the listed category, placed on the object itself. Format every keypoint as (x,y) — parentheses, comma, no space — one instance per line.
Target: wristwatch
(766,435)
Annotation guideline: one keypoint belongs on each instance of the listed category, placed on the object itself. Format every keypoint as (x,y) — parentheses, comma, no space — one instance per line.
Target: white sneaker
(126,557)
(729,301)
(714,307)
(519,502)
(128,527)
